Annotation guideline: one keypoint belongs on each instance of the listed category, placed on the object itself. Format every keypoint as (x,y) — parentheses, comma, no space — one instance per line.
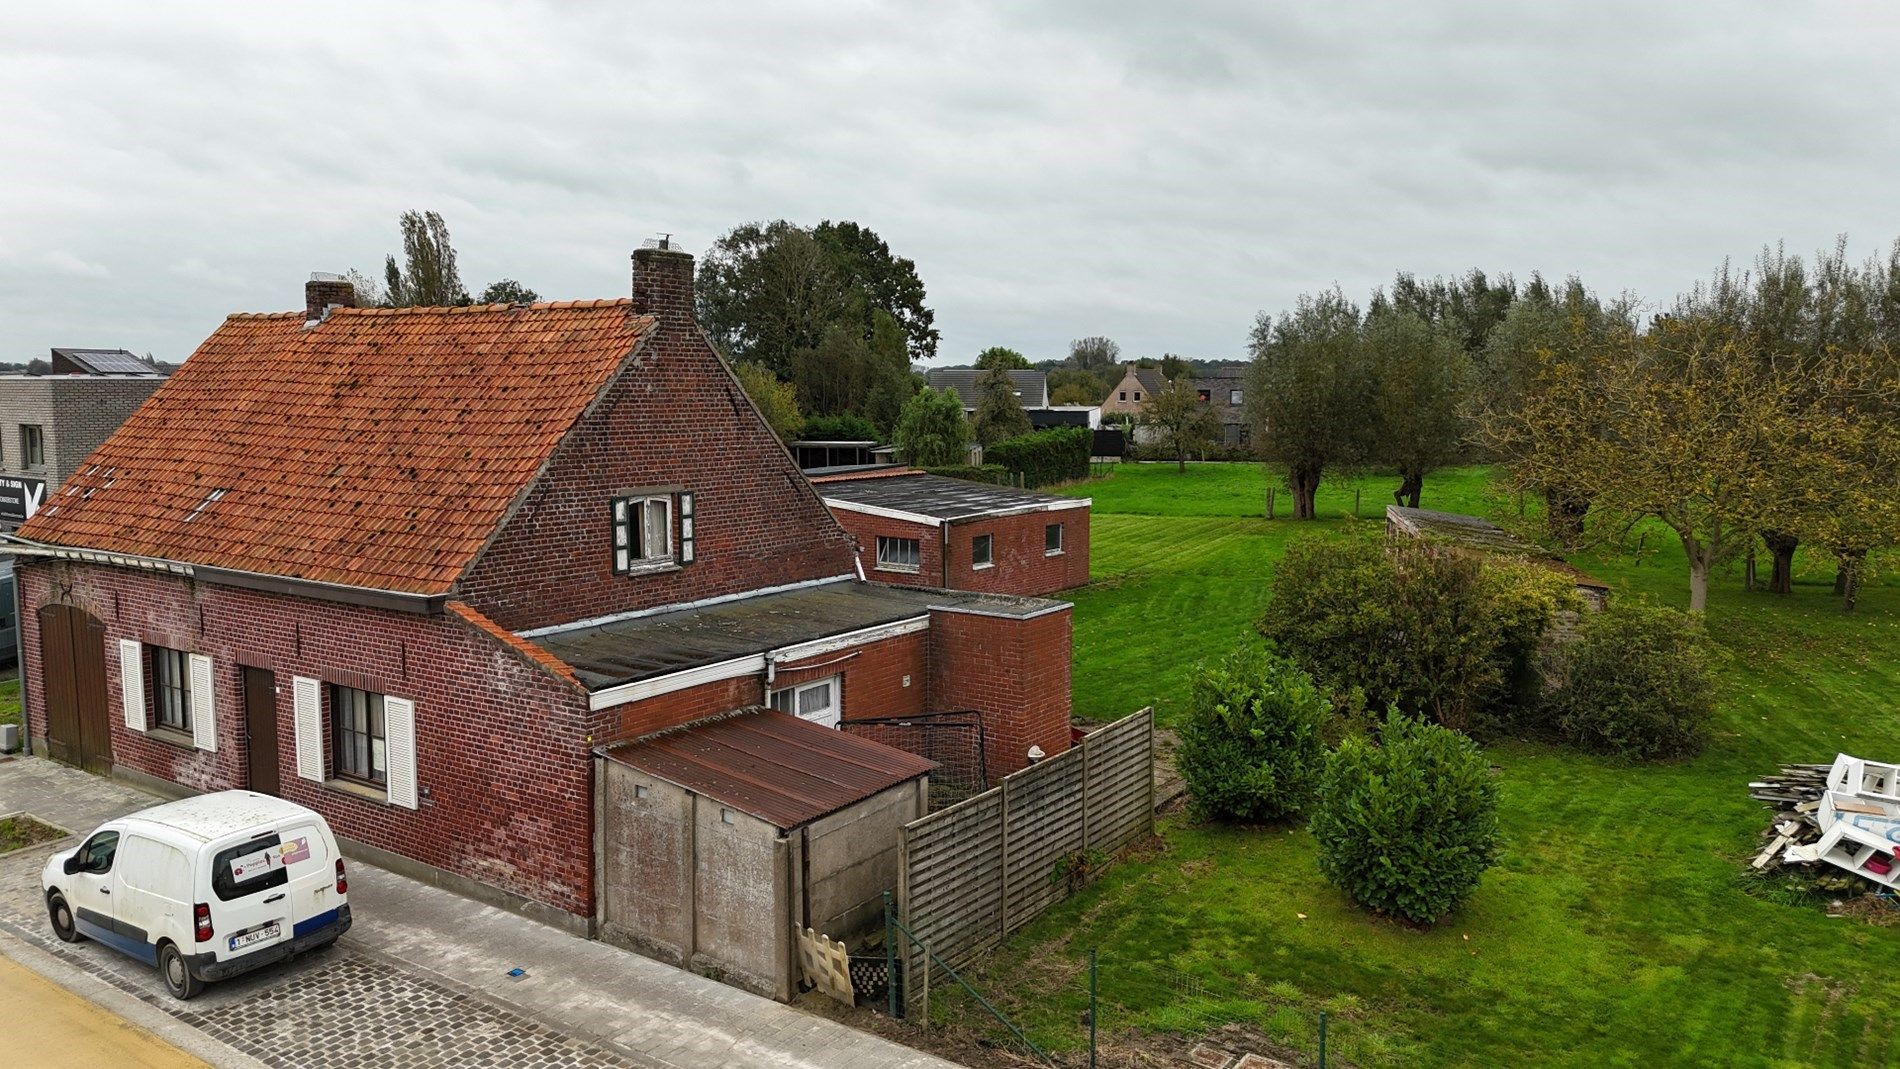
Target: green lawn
(10,700)
(1619,927)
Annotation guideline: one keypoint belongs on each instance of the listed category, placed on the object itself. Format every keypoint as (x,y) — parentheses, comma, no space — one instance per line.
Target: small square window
(1052,539)
(1233,397)
(639,790)
(1124,395)
(1137,395)
(980,548)
(643,532)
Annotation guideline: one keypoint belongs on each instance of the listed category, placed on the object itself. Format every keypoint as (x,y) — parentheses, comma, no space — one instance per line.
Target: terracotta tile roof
(528,650)
(378,449)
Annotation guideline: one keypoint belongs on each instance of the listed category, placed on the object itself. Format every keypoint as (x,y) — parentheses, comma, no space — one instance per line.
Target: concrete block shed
(719,839)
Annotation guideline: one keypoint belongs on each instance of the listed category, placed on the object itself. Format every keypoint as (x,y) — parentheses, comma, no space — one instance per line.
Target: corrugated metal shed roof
(1476,532)
(939,496)
(1031,386)
(772,765)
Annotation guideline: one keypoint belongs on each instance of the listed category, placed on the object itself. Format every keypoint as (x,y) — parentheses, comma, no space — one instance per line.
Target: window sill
(358,790)
(982,567)
(652,567)
(1052,553)
(896,568)
(172,737)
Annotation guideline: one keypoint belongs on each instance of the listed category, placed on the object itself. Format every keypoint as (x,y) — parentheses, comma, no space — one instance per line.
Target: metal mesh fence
(952,739)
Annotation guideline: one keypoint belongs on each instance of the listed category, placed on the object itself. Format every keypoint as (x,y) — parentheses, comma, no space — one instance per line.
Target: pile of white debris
(1846,814)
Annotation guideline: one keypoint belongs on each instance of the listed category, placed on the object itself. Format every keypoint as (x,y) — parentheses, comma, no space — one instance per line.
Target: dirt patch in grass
(20,831)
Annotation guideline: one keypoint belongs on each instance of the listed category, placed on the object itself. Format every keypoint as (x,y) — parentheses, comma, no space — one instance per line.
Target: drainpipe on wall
(943,556)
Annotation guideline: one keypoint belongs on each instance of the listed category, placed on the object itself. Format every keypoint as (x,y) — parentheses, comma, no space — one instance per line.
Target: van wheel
(176,974)
(62,917)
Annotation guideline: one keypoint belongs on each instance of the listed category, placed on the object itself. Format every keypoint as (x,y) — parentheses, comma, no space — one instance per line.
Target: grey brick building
(49,423)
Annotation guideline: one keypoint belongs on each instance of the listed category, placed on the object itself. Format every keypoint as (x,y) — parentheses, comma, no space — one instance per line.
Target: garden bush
(1407,824)
(1444,635)
(839,428)
(1250,744)
(970,473)
(1056,455)
(1636,680)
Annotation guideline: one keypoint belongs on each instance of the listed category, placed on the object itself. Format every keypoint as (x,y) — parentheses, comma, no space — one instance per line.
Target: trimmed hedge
(1056,455)
(1250,746)
(1407,825)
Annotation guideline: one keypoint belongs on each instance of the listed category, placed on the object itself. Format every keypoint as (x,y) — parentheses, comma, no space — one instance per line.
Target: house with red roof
(420,569)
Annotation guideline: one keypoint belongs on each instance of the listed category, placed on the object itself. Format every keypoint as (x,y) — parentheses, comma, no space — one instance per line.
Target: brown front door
(260,723)
(73,675)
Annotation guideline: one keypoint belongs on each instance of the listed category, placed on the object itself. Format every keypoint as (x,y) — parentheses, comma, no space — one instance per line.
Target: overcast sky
(1155,172)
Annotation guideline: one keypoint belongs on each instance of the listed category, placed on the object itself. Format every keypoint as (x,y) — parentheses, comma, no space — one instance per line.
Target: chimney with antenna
(663,282)
(324,292)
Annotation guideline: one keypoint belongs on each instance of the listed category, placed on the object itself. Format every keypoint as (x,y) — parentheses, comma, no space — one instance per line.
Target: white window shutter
(132,683)
(399,749)
(686,527)
(306,697)
(204,720)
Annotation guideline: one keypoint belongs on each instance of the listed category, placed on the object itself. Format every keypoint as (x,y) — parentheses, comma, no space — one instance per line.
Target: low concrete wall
(851,860)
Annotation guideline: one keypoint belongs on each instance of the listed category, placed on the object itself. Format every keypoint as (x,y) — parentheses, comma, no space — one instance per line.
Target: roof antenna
(664,241)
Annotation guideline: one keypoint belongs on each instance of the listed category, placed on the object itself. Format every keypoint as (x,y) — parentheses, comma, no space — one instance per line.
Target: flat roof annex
(937,498)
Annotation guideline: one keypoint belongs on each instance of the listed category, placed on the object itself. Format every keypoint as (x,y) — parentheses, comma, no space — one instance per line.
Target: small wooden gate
(73,675)
(826,965)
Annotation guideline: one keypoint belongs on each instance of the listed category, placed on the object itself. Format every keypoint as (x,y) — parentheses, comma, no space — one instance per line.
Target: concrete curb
(125,1006)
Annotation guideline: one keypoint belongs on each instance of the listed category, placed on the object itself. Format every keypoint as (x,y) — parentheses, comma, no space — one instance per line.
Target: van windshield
(247,868)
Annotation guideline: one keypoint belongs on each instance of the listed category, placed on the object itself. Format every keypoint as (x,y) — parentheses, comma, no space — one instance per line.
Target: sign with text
(20,497)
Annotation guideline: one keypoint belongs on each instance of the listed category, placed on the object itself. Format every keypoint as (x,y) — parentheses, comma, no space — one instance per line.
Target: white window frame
(885,564)
(791,700)
(1233,397)
(1057,551)
(988,542)
(653,552)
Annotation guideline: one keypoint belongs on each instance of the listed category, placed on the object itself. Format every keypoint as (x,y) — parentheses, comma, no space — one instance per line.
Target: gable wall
(674,417)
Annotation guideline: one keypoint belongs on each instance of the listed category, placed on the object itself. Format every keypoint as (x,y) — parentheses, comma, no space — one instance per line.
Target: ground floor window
(817,701)
(356,720)
(171,688)
(980,551)
(1052,539)
(898,554)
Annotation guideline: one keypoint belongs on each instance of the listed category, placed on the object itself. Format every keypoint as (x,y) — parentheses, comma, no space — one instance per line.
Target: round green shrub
(1407,824)
(1636,681)
(1250,746)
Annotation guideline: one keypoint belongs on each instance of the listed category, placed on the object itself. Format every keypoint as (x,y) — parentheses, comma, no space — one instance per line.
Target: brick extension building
(416,568)
(928,530)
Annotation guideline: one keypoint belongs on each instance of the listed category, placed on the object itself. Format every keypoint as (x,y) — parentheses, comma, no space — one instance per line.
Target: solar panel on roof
(107,361)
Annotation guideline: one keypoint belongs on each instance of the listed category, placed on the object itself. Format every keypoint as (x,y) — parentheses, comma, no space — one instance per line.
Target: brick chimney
(663,283)
(323,292)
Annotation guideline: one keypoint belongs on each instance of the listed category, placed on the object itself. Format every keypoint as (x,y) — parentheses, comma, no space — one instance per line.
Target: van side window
(227,885)
(96,856)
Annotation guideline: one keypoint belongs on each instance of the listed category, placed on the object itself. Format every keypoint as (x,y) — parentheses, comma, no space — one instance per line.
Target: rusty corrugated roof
(771,764)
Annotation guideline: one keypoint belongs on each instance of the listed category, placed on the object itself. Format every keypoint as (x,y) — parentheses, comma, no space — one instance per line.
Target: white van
(204,888)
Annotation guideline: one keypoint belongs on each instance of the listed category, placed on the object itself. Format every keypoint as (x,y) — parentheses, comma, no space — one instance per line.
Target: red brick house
(416,568)
(929,530)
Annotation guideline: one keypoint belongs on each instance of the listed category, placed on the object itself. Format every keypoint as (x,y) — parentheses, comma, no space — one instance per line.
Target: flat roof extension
(937,498)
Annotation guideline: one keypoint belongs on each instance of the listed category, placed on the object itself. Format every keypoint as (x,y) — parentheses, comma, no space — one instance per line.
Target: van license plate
(252,938)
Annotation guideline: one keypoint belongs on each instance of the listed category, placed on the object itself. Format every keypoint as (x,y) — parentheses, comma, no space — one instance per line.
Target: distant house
(1224,390)
(1131,394)
(915,529)
(1032,387)
(1479,535)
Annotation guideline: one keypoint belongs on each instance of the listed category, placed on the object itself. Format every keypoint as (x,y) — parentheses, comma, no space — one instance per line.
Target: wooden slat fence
(971,875)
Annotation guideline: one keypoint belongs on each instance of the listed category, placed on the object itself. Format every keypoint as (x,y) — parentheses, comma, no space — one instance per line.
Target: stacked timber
(1793,796)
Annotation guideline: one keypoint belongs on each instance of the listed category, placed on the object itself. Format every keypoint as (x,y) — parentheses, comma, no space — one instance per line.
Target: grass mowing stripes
(1619,927)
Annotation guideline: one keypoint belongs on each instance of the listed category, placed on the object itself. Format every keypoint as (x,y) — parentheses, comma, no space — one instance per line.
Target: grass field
(1619,927)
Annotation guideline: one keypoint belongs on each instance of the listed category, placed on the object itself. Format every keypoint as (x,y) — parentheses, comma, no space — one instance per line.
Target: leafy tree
(996,357)
(846,428)
(1309,392)
(931,432)
(1094,353)
(1250,744)
(39,365)
(1073,386)
(831,376)
(1420,377)
(766,292)
(369,292)
(507,291)
(428,276)
(1175,367)
(999,412)
(775,400)
(891,379)
(1466,308)
(884,281)
(1183,424)
(1408,824)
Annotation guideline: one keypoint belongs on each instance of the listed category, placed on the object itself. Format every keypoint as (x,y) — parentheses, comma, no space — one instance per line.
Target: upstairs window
(1124,395)
(1137,395)
(1204,395)
(171,689)
(898,554)
(644,531)
(980,549)
(1233,397)
(32,446)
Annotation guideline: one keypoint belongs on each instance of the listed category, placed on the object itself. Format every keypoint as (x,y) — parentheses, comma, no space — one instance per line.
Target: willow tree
(1309,392)
(1420,377)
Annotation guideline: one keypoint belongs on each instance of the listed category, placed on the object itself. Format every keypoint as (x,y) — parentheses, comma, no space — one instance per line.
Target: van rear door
(312,869)
(250,895)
